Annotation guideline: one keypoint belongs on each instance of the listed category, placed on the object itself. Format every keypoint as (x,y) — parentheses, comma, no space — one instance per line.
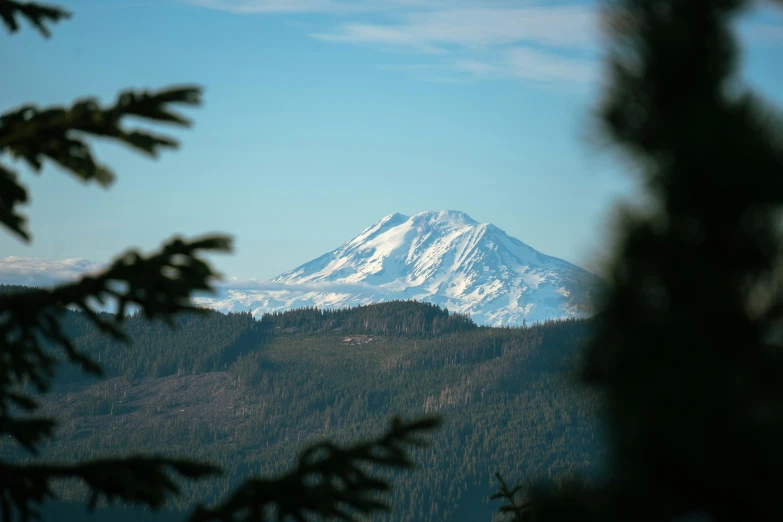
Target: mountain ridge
(442,257)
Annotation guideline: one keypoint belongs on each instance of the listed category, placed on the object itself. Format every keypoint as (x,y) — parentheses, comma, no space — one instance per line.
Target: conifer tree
(689,347)
(329,481)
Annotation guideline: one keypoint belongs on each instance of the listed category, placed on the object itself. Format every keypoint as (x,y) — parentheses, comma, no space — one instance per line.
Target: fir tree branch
(144,481)
(681,323)
(12,194)
(328,481)
(160,285)
(28,432)
(57,134)
(36,14)
(519,510)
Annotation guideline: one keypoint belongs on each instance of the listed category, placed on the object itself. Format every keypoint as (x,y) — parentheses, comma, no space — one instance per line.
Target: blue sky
(322,116)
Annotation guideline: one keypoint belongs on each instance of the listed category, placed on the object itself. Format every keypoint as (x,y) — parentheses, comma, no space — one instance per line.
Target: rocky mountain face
(445,258)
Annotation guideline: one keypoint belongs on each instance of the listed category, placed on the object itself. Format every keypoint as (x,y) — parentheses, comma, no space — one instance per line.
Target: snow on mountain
(445,258)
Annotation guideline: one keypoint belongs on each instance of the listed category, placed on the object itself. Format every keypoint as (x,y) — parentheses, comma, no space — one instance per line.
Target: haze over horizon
(320,117)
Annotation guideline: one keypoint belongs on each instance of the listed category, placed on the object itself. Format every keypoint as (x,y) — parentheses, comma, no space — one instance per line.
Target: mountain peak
(443,257)
(446,217)
(393,217)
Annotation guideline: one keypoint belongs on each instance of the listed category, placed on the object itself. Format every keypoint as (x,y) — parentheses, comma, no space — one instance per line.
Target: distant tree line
(409,318)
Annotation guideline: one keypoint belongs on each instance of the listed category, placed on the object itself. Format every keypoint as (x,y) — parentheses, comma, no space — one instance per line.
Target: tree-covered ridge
(213,341)
(505,394)
(410,318)
(197,343)
(15,289)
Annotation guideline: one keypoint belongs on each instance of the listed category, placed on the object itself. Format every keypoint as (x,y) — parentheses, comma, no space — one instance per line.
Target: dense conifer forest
(249,394)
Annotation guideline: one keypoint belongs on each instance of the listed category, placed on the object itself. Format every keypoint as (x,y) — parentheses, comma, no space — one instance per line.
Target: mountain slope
(445,258)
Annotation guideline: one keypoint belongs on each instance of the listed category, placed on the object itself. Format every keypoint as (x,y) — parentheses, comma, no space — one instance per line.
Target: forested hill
(14,289)
(400,318)
(212,341)
(249,394)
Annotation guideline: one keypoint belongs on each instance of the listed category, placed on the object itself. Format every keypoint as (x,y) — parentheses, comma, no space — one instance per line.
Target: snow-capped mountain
(445,258)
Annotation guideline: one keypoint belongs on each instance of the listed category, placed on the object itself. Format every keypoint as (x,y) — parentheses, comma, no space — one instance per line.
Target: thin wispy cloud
(477,67)
(479,27)
(471,39)
(282,6)
(531,64)
(329,6)
(379,35)
(525,43)
(452,80)
(413,67)
(764,25)
(768,33)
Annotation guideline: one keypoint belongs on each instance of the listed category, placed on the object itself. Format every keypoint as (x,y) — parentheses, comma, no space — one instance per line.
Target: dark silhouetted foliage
(688,350)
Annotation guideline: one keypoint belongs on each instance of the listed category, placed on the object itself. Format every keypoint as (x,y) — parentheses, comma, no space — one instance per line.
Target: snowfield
(445,258)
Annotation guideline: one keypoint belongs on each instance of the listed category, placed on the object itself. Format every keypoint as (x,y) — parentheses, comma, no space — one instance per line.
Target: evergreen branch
(681,306)
(160,285)
(57,134)
(28,125)
(28,432)
(328,481)
(38,15)
(138,480)
(520,511)
(12,193)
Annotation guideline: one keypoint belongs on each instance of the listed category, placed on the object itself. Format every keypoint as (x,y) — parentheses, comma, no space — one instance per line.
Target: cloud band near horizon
(42,272)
